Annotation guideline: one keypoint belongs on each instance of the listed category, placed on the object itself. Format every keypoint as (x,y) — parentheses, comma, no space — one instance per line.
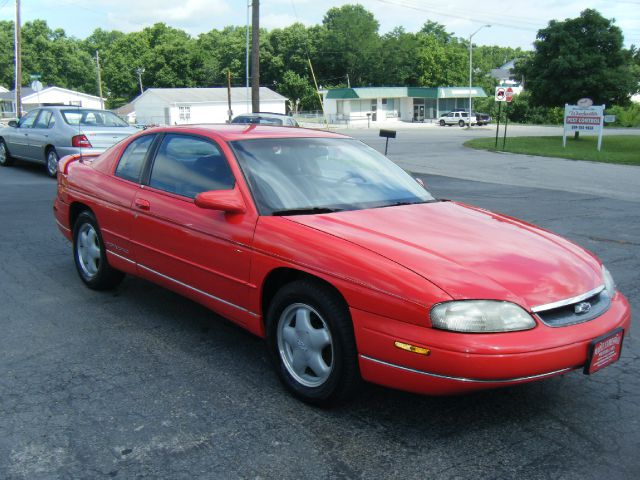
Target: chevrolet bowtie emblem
(581,308)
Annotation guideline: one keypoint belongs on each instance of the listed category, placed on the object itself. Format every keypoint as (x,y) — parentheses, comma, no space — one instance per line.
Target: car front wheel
(52,163)
(442,123)
(311,343)
(461,123)
(5,158)
(90,255)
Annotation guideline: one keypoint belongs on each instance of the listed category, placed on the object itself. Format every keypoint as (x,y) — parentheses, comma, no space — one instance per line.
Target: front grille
(566,314)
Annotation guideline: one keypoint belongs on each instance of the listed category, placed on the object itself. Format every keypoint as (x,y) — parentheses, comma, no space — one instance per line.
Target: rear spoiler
(63,164)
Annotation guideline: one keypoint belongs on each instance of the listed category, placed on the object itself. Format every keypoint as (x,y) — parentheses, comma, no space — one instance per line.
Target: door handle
(142,204)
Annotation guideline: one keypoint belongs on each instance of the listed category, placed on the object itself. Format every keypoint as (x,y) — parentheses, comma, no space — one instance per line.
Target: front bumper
(460,363)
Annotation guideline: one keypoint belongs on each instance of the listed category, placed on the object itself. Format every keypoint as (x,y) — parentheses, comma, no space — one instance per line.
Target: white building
(48,96)
(408,104)
(177,106)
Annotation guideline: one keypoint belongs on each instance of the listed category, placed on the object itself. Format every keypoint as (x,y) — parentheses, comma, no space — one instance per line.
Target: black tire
(52,158)
(461,123)
(5,157)
(90,256)
(328,312)
(442,123)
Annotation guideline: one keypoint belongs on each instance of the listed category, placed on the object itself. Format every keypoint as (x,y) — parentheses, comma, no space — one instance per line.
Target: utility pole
(99,80)
(348,82)
(139,72)
(246,64)
(230,113)
(471,68)
(18,58)
(255,56)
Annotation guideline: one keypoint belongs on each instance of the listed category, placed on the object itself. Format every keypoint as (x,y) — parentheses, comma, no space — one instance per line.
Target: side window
(189,165)
(132,160)
(43,119)
(28,120)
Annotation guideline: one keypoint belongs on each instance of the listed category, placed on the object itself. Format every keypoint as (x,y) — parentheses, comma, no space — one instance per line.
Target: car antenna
(79,130)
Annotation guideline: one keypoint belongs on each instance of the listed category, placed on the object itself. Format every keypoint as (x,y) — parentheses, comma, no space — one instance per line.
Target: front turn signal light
(413,348)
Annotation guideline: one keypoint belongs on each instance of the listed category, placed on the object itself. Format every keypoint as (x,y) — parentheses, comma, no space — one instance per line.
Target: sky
(513,23)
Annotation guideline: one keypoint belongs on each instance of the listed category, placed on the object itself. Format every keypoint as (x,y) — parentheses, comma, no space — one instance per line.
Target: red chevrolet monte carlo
(346,265)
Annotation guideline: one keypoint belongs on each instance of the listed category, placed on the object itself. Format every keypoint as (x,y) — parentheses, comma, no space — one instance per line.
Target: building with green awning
(407,104)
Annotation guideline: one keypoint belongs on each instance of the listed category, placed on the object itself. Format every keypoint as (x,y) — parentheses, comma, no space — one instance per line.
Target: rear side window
(43,119)
(132,160)
(188,165)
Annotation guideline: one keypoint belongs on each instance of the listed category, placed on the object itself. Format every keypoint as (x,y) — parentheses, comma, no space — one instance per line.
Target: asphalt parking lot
(141,383)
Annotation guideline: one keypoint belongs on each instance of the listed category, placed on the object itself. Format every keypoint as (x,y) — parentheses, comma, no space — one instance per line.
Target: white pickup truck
(461,118)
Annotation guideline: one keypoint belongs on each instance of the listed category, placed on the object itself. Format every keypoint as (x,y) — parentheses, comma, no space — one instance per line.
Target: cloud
(193,16)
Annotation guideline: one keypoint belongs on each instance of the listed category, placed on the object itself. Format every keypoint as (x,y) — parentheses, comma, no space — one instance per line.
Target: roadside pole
(498,123)
(506,123)
(229,112)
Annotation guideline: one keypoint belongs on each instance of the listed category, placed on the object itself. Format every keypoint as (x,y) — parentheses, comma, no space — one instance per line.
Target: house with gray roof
(50,95)
(179,106)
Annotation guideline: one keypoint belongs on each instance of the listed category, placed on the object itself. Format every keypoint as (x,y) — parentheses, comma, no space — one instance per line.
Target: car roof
(238,131)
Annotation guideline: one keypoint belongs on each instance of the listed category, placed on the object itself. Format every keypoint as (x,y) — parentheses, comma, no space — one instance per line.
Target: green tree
(579,57)
(6,54)
(398,61)
(437,30)
(296,87)
(350,44)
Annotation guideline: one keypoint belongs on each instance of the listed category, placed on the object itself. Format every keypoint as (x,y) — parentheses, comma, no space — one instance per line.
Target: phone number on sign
(581,127)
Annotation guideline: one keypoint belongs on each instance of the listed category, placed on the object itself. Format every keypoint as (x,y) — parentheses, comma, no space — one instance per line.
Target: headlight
(609,283)
(480,316)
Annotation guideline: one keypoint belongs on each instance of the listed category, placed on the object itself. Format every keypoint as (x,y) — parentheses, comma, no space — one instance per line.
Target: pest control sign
(586,120)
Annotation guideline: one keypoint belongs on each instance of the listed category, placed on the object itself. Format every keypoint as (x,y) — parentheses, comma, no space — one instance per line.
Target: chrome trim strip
(467,380)
(197,290)
(120,257)
(62,226)
(568,301)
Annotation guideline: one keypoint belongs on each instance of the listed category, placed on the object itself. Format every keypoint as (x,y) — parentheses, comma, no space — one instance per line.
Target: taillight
(80,141)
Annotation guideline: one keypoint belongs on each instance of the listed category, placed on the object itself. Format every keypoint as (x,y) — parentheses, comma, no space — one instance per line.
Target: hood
(469,252)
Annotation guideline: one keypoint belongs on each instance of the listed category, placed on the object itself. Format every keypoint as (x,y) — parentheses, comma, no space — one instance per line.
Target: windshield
(92,118)
(321,175)
(258,120)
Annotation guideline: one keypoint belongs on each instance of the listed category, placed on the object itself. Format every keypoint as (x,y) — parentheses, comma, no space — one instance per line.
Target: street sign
(609,118)
(586,120)
(501,94)
(509,94)
(36,85)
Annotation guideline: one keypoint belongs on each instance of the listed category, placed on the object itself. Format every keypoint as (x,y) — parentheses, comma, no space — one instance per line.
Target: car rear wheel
(311,343)
(442,123)
(90,256)
(52,162)
(5,158)
(461,123)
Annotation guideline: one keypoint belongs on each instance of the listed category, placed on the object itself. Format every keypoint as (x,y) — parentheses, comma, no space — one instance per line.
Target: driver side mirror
(13,123)
(228,201)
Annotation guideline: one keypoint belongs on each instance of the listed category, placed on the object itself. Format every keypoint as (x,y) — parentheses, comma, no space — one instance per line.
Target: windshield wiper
(305,211)
(398,204)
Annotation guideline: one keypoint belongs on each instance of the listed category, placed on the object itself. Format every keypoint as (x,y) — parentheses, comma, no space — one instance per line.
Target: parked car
(46,134)
(276,119)
(346,265)
(461,118)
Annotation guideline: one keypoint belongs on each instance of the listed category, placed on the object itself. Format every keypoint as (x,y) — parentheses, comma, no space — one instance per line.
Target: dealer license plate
(603,351)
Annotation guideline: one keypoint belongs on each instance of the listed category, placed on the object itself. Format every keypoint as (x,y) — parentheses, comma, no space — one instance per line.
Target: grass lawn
(624,149)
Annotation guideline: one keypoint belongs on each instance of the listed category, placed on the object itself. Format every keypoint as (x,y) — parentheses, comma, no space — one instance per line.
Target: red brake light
(80,141)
